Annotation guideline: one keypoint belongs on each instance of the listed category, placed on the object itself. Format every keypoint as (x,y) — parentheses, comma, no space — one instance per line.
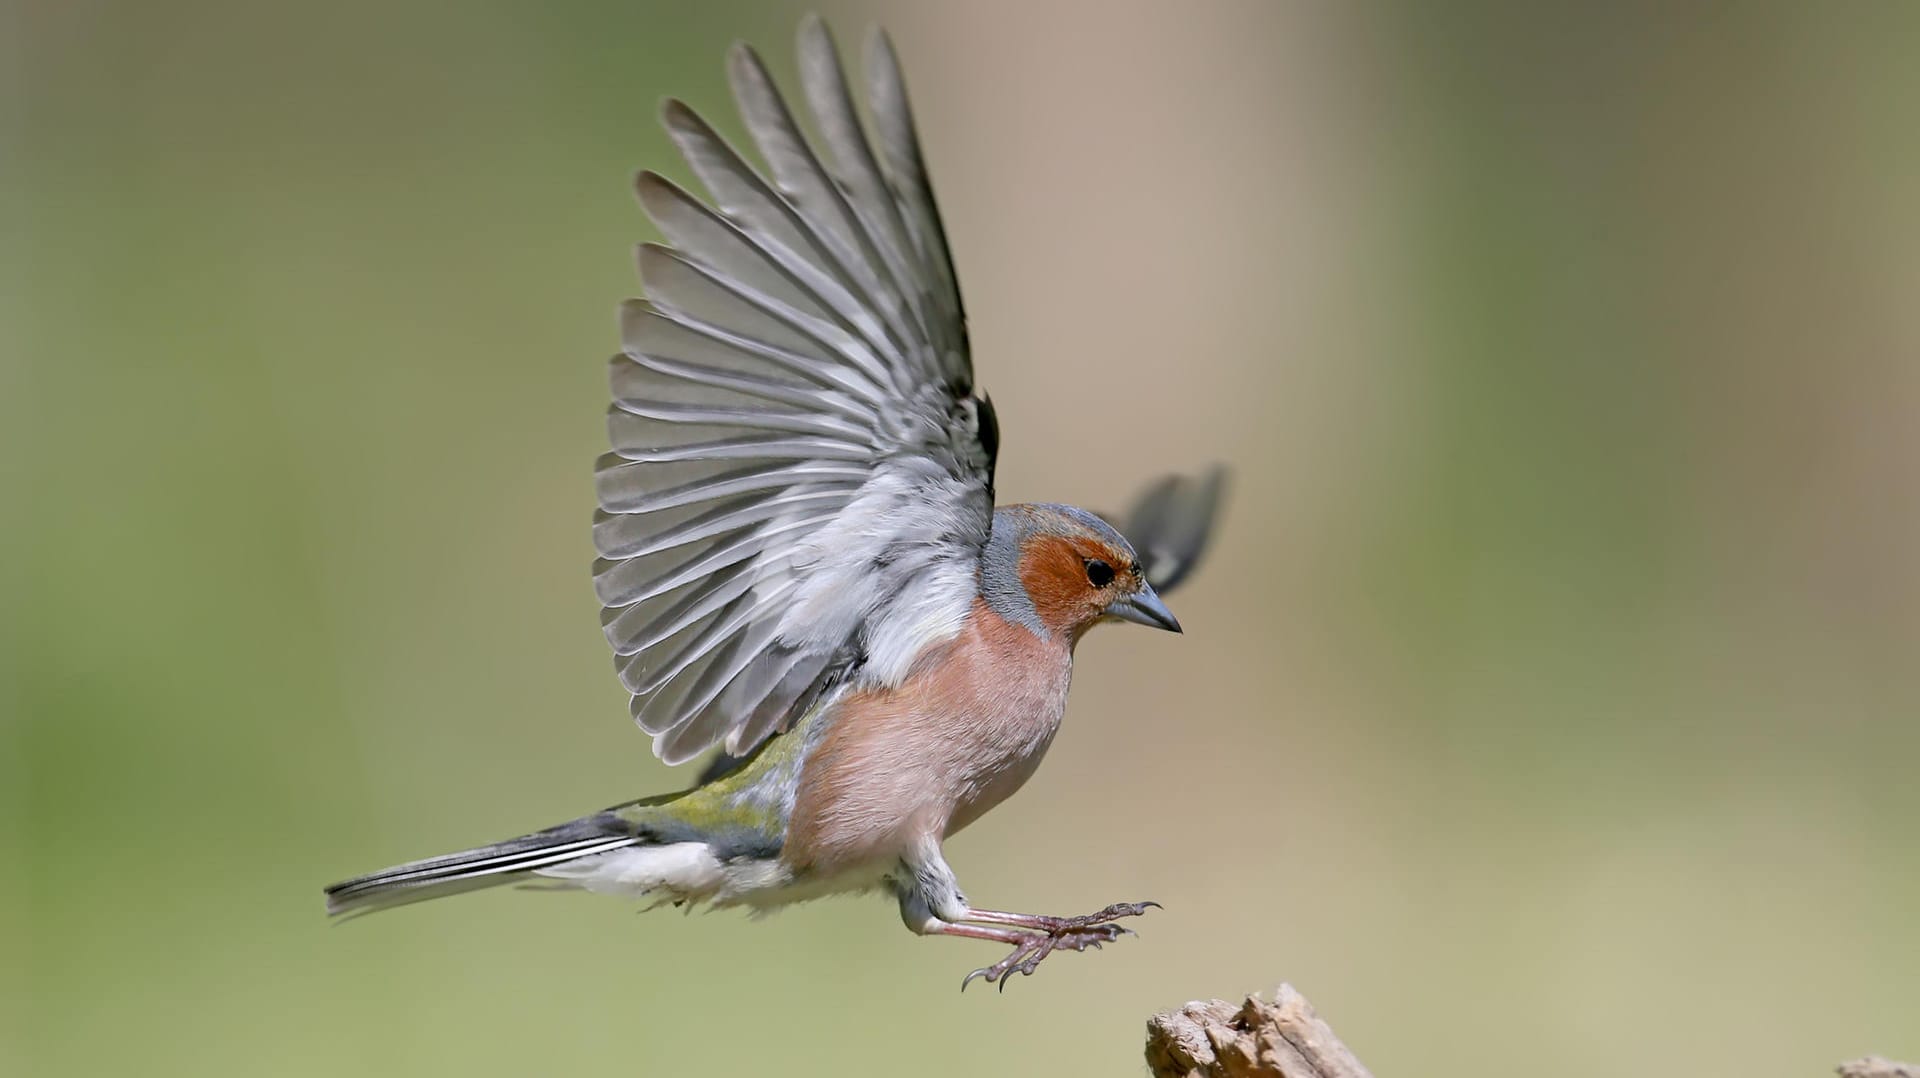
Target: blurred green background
(1550,703)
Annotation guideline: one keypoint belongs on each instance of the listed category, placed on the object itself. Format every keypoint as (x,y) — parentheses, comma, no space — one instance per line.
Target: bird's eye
(1099,573)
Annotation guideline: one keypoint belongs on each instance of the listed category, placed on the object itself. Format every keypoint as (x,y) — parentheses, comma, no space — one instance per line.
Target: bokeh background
(1550,703)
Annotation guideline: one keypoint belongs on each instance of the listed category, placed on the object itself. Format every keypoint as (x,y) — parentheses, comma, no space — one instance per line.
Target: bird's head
(1077,571)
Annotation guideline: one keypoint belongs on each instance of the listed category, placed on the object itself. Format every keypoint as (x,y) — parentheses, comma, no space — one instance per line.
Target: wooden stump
(1286,1039)
(1254,1039)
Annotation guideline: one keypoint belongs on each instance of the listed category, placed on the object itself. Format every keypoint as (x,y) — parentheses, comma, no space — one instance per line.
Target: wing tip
(1172,523)
(744,61)
(882,61)
(676,113)
(814,41)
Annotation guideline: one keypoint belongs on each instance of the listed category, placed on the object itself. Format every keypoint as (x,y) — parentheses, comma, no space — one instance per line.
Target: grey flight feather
(1170,524)
(799,487)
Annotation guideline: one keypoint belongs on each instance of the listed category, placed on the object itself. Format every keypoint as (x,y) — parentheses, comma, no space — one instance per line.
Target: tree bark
(1255,1039)
(1286,1039)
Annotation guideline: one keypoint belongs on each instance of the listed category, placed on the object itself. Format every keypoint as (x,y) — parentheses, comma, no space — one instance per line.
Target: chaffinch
(800,559)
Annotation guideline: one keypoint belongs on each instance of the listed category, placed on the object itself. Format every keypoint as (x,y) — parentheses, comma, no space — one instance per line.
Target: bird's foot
(1099,918)
(1059,933)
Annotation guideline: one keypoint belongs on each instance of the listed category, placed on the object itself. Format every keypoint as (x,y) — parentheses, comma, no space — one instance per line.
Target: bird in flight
(801,564)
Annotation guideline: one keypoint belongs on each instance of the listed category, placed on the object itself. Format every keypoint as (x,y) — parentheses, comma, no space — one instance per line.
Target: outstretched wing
(1170,523)
(801,477)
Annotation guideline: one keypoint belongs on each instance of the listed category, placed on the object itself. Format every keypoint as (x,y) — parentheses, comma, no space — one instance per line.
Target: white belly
(682,871)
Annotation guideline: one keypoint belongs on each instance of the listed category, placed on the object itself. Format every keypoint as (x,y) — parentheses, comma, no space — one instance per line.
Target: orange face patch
(1053,569)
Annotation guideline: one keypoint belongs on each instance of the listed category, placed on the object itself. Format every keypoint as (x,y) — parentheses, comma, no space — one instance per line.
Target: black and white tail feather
(471,870)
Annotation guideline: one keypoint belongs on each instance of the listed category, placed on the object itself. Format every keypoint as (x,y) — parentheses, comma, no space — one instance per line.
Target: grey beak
(1145,608)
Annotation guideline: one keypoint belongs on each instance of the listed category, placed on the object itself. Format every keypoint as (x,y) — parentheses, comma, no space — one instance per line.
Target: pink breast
(916,763)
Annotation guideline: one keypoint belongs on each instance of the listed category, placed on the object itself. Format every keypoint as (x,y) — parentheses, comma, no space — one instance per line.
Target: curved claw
(983,971)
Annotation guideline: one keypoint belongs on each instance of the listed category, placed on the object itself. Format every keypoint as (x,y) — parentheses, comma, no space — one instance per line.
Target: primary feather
(800,483)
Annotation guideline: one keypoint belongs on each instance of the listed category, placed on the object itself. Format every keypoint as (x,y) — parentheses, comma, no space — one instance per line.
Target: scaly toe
(1111,913)
(1091,936)
(1027,965)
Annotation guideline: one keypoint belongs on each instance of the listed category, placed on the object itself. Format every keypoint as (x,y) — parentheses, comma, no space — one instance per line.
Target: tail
(486,866)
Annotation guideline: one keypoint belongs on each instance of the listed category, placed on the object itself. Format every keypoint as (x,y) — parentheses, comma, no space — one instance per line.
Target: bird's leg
(931,904)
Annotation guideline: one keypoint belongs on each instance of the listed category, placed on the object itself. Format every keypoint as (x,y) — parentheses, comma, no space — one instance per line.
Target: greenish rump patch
(742,814)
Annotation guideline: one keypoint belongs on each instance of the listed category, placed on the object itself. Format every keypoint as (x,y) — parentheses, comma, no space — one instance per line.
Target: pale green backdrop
(1550,705)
